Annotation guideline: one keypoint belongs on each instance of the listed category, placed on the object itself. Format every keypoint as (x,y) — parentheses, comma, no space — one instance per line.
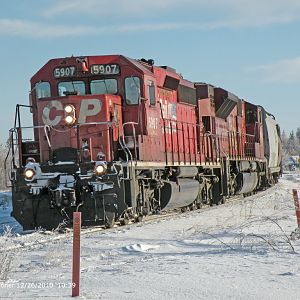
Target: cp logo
(88,107)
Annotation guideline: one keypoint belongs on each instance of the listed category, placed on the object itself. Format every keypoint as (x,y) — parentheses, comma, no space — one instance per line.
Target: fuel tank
(175,195)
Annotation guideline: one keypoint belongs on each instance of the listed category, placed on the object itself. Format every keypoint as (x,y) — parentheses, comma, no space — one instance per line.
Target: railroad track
(45,237)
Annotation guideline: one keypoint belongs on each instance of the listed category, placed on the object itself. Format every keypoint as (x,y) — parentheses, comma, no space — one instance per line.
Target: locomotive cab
(78,138)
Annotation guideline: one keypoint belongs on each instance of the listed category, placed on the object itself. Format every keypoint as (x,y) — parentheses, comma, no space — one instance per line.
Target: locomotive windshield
(104,86)
(71,87)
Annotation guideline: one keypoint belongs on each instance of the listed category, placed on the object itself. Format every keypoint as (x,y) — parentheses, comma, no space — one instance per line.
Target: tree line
(291,143)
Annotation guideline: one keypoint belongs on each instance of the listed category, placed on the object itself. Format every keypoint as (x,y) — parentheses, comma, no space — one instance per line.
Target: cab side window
(132,90)
(151,92)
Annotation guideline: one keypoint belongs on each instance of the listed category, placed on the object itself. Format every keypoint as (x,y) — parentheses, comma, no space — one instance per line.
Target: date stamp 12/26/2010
(37,285)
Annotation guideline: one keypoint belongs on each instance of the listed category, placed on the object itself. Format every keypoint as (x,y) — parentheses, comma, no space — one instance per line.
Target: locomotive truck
(119,138)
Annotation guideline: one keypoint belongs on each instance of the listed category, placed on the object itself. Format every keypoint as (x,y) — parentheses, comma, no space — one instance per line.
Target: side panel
(273,142)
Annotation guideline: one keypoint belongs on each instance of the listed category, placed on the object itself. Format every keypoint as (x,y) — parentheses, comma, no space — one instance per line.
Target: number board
(106,69)
(64,72)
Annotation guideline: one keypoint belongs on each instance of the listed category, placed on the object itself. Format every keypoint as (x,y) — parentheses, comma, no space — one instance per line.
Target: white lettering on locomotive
(86,111)
(152,122)
(168,109)
(169,113)
(88,108)
(46,113)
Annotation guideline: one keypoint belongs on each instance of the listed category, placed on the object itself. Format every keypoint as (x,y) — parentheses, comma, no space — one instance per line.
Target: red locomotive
(118,138)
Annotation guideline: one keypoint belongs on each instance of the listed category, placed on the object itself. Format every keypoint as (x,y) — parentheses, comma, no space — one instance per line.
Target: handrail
(122,145)
(78,124)
(243,144)
(127,149)
(46,128)
(134,139)
(213,145)
(17,114)
(223,150)
(46,134)
(6,158)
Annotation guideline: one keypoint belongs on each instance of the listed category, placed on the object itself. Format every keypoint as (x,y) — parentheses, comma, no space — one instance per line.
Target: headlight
(70,114)
(70,120)
(100,170)
(29,174)
(69,108)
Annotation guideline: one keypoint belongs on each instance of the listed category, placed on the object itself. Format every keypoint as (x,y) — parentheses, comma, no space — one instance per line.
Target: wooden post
(297,207)
(76,253)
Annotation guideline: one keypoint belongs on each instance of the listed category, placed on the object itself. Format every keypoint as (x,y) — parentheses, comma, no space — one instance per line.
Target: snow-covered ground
(240,250)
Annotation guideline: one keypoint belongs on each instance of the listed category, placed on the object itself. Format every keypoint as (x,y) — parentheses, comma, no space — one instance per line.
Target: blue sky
(251,48)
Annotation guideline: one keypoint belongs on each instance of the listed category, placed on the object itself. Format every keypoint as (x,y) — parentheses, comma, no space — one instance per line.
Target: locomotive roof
(138,64)
(146,67)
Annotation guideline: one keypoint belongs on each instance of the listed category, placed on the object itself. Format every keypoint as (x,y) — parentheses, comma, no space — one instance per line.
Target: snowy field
(240,250)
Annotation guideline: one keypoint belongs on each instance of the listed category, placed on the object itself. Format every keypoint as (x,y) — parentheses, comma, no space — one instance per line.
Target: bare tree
(284,140)
(3,152)
(298,135)
(292,145)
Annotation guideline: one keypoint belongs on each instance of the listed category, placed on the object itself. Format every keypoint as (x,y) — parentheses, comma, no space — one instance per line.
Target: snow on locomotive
(118,138)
